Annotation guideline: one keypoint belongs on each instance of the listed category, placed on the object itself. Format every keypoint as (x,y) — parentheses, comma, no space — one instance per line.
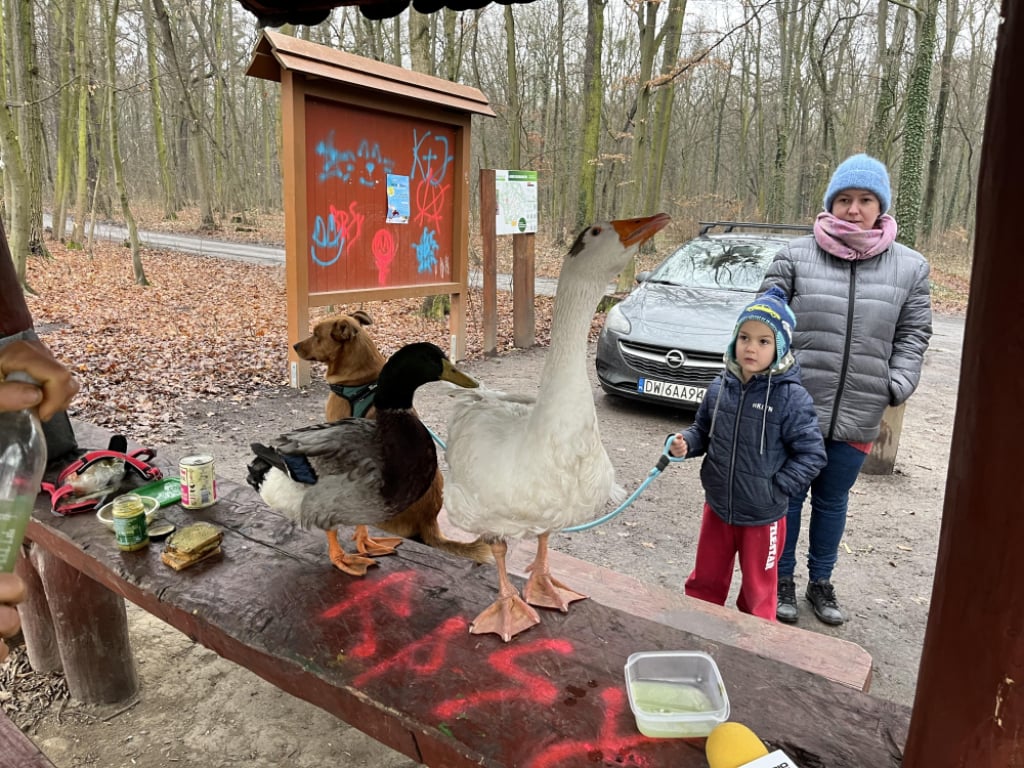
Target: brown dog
(353,365)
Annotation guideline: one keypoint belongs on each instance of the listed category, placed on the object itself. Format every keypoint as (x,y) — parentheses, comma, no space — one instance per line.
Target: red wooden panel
(349,153)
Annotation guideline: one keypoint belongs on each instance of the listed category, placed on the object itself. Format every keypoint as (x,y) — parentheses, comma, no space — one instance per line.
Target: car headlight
(616,322)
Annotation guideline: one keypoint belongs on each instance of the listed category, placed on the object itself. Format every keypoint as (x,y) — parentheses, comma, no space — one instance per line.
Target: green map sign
(516,193)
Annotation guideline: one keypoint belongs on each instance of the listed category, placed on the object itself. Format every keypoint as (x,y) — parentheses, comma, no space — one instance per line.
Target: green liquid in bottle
(14,516)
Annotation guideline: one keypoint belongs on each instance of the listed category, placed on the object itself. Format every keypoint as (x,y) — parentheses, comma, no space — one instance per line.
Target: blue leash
(657,469)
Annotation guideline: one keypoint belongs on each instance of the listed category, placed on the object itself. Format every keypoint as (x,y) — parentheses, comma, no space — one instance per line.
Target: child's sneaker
(786,611)
(822,595)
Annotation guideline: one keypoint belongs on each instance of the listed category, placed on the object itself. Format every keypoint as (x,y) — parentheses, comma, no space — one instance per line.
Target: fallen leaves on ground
(204,329)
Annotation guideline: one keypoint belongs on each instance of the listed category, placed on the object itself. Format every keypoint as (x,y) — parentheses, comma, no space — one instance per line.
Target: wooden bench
(391,654)
(17,750)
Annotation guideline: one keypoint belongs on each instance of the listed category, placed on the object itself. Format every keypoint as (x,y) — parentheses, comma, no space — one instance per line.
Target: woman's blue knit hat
(773,310)
(860,172)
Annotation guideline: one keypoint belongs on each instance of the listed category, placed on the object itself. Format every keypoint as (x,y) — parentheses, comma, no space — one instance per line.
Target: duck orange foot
(506,616)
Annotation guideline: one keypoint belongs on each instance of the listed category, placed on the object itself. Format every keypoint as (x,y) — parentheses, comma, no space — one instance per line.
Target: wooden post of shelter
(489,251)
(882,458)
(524,323)
(375,162)
(969,703)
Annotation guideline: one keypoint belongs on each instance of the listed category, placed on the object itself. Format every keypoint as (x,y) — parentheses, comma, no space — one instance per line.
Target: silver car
(665,341)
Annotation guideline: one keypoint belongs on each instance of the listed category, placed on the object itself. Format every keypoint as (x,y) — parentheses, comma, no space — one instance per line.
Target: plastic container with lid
(675,694)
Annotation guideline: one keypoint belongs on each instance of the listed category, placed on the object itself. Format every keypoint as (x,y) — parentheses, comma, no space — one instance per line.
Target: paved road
(257,254)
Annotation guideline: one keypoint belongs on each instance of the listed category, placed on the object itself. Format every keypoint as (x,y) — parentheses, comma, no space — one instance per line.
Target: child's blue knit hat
(860,172)
(772,310)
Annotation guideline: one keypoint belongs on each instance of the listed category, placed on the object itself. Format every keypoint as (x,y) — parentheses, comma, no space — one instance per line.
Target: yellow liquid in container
(657,700)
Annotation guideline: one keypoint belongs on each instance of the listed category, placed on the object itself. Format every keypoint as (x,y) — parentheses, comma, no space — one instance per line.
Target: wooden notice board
(365,233)
(374,163)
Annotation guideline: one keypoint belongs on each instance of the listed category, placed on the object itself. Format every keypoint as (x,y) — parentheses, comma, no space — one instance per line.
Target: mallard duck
(358,471)
(519,468)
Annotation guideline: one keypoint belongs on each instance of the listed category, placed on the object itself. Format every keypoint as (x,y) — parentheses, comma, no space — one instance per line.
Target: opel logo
(675,358)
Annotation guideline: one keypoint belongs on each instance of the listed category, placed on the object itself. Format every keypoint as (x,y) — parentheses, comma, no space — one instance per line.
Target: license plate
(672,391)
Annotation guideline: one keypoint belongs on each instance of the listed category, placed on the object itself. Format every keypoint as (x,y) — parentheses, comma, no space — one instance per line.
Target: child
(760,432)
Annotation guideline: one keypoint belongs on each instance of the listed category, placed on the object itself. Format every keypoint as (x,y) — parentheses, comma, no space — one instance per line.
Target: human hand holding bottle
(55,387)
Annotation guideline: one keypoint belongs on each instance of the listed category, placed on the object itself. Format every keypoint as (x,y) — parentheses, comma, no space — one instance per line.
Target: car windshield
(735,265)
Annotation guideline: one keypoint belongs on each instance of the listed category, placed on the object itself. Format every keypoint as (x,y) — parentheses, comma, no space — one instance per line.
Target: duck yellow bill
(636,231)
(455,376)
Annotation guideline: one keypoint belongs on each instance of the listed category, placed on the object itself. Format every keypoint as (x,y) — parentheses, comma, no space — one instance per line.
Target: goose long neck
(571,318)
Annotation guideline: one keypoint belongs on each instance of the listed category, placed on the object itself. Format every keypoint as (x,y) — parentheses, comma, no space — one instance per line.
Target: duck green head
(412,366)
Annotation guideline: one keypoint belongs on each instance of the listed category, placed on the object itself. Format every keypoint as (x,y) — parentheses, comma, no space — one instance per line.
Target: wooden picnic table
(391,654)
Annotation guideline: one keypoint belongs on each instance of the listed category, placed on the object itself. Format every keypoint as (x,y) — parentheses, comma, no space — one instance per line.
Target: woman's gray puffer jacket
(861,332)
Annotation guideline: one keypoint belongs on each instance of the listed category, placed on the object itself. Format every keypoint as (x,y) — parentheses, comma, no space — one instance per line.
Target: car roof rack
(729,226)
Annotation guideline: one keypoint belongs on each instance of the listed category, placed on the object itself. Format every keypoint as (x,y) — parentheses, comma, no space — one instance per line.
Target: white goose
(519,467)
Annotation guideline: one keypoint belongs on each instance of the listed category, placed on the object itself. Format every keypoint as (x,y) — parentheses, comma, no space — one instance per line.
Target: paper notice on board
(398,199)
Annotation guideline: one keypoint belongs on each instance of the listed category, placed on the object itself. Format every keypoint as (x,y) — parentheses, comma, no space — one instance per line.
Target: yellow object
(130,526)
(731,745)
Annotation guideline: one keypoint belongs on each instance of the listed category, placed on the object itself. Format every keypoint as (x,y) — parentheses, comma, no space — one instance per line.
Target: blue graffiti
(371,158)
(426,252)
(336,163)
(368,159)
(424,158)
(326,236)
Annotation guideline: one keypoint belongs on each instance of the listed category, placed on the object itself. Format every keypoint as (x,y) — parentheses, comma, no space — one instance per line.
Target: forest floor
(193,364)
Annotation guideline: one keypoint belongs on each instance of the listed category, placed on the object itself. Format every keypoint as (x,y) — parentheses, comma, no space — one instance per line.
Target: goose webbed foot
(354,565)
(547,592)
(544,590)
(507,616)
(368,545)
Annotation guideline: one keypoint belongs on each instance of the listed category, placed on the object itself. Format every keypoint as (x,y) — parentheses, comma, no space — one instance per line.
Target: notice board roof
(276,52)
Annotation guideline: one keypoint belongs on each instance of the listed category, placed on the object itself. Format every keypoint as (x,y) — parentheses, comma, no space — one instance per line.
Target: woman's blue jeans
(830,496)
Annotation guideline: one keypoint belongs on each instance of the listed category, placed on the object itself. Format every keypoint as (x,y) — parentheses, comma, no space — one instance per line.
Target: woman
(864,319)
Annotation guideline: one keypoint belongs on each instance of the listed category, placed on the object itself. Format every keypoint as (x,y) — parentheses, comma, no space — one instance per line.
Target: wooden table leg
(91,626)
(36,622)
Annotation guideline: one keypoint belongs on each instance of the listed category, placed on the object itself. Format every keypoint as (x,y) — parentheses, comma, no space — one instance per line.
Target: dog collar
(359,398)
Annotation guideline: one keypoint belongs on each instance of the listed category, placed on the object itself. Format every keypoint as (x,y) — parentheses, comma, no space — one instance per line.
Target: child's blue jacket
(762,443)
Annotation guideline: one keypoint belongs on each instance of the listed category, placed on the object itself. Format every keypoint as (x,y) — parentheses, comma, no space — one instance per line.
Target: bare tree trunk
(662,120)
(939,123)
(880,138)
(82,75)
(65,121)
(419,42)
(163,25)
(171,203)
(593,99)
(915,126)
(115,142)
(515,109)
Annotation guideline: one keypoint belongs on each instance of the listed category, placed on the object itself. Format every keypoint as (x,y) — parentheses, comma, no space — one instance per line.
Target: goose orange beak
(638,230)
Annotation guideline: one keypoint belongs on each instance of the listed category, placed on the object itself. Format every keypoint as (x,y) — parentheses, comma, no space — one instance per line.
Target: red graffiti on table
(432,657)
(532,688)
(426,656)
(610,744)
(384,249)
(366,600)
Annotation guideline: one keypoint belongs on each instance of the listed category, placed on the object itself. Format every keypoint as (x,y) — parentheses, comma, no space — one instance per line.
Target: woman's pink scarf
(850,242)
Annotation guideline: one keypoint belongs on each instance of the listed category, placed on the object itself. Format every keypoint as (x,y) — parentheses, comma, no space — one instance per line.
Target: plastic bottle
(22,463)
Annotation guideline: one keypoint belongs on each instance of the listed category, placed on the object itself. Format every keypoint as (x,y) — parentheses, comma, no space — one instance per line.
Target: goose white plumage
(523,468)
(358,471)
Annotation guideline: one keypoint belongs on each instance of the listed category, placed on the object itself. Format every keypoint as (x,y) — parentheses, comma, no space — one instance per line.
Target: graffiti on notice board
(380,200)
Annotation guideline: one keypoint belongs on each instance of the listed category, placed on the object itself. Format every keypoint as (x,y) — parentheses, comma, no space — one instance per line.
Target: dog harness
(360,398)
(75,491)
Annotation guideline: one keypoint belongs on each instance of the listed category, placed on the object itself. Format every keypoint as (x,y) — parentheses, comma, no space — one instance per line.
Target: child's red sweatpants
(759,547)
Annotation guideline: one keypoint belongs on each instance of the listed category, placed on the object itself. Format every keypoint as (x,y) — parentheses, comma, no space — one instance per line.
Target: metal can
(198,481)
(130,525)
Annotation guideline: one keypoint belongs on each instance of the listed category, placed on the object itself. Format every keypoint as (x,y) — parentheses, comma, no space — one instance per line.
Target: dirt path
(196,709)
